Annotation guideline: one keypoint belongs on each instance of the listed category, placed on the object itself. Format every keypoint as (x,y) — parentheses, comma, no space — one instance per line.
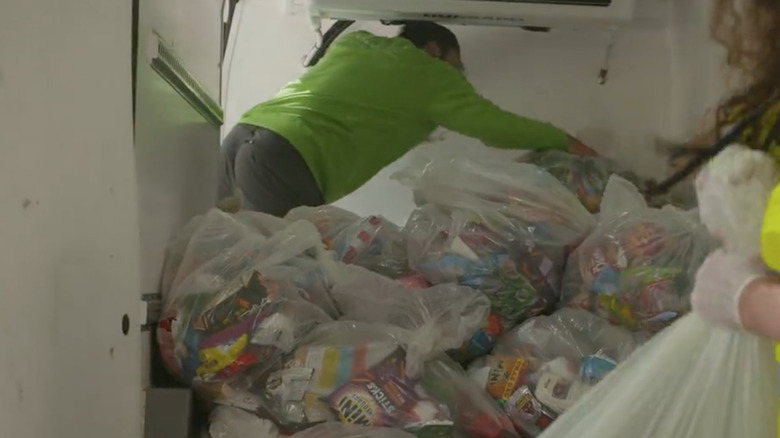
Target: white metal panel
(69,235)
(176,152)
(478,12)
(192,29)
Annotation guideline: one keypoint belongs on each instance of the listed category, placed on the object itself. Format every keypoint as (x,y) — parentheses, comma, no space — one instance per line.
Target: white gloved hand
(720,283)
(733,190)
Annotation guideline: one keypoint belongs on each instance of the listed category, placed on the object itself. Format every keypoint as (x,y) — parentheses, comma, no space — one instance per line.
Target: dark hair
(421,33)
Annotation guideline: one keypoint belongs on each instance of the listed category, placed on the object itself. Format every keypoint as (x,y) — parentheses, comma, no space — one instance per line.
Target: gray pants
(266,171)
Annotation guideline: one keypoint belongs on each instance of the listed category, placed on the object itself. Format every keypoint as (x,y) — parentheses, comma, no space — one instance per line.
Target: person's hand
(579,148)
(721,282)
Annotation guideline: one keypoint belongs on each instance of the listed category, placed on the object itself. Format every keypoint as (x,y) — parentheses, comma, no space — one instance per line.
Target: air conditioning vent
(538,13)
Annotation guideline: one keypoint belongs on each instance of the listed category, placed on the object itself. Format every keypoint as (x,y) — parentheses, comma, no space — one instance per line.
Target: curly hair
(749,30)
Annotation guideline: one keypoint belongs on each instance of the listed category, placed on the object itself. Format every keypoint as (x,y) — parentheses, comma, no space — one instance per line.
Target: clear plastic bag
(338,430)
(372,242)
(226,322)
(519,276)
(435,319)
(229,422)
(348,372)
(541,368)
(585,176)
(696,380)
(505,195)
(692,380)
(475,414)
(637,268)
(216,230)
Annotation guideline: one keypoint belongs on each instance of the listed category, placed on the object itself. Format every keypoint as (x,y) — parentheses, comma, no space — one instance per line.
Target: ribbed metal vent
(558,2)
(475,18)
(168,66)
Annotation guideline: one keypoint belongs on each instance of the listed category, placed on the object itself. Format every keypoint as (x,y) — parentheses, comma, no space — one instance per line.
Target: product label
(506,375)
(384,397)
(229,308)
(527,413)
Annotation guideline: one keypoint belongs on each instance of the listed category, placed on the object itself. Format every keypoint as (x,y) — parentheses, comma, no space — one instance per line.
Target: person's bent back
(365,104)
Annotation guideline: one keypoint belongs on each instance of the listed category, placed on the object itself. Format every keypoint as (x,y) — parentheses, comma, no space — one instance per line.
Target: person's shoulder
(366,39)
(360,37)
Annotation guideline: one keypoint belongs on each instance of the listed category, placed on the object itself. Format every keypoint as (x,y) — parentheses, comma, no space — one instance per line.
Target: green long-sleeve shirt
(371,99)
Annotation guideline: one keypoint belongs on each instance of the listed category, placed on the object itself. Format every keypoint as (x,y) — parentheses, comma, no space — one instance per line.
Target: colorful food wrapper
(384,397)
(481,343)
(520,277)
(528,414)
(586,177)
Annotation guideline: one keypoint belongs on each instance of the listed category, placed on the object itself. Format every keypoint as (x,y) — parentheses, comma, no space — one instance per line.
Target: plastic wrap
(692,380)
(435,319)
(229,422)
(216,230)
(372,242)
(504,195)
(585,176)
(541,368)
(520,277)
(226,322)
(338,430)
(636,269)
(348,372)
(475,414)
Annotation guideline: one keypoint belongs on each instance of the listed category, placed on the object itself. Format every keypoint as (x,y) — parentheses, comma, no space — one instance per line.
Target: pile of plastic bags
(326,324)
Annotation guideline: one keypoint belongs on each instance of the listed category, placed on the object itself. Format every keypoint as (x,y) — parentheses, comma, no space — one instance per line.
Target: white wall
(548,76)
(698,69)
(69,254)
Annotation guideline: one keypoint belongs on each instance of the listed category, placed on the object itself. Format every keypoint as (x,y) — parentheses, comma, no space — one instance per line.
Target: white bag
(691,381)
(694,380)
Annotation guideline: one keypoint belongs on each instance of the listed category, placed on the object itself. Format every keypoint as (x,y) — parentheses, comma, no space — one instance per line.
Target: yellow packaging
(770,231)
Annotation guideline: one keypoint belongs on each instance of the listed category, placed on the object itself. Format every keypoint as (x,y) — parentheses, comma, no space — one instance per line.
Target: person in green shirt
(367,102)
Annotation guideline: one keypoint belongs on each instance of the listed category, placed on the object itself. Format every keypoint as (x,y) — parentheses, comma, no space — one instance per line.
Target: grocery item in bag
(434,319)
(372,242)
(226,320)
(636,269)
(474,413)
(328,358)
(385,396)
(585,176)
(541,368)
(695,381)
(520,277)
(503,195)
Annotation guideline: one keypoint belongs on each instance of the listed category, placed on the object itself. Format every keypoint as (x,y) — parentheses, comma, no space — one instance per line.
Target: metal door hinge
(151,310)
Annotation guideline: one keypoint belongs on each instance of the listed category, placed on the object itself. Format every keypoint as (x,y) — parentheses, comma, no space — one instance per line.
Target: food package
(636,269)
(585,176)
(504,195)
(520,277)
(372,242)
(541,368)
(692,380)
(226,322)
(350,372)
(475,414)
(435,319)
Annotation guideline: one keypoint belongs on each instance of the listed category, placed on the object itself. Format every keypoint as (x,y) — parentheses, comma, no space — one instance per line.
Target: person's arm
(457,106)
(735,291)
